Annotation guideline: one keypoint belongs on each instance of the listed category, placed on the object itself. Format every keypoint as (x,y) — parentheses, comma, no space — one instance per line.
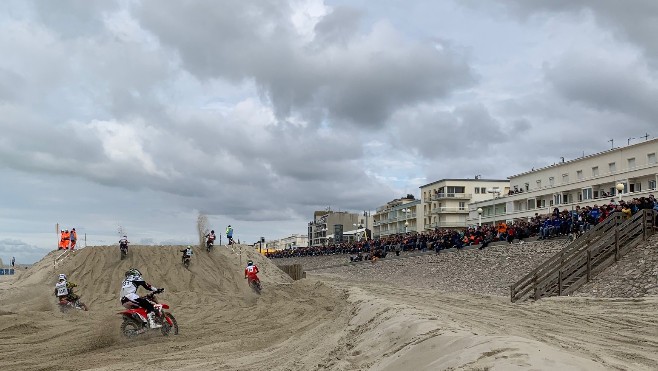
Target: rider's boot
(151,318)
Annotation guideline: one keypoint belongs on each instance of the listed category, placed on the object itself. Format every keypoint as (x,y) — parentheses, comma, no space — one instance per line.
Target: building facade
(397,216)
(584,181)
(325,224)
(290,242)
(445,202)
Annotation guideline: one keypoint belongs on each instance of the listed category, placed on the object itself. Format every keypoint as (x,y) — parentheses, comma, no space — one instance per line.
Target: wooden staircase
(586,257)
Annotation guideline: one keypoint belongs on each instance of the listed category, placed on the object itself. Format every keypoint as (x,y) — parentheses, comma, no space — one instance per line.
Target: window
(565,178)
(539,184)
(651,158)
(455,190)
(652,184)
(595,171)
(483,190)
(541,203)
(557,199)
(527,186)
(579,174)
(587,194)
(462,206)
(631,163)
(477,190)
(531,204)
(612,167)
(551,181)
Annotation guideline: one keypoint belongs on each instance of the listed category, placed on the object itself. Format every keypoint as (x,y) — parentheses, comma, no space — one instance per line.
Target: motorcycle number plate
(62,291)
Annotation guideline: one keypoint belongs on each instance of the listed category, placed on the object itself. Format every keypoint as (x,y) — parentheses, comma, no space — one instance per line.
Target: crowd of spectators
(558,223)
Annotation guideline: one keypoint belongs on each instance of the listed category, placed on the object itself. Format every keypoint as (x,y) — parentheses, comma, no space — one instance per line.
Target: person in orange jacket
(62,245)
(67,236)
(73,238)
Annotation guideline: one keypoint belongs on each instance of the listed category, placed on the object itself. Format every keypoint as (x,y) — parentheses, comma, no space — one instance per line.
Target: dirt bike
(186,261)
(124,251)
(255,285)
(209,245)
(135,321)
(66,303)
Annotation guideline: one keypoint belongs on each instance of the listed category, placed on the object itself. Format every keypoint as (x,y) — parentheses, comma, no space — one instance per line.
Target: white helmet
(62,276)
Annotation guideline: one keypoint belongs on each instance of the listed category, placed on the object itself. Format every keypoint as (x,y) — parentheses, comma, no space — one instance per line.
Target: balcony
(448,225)
(443,196)
(450,210)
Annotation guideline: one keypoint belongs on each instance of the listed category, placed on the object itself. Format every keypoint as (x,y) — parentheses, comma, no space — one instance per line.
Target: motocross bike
(124,251)
(135,320)
(255,285)
(67,302)
(186,261)
(209,245)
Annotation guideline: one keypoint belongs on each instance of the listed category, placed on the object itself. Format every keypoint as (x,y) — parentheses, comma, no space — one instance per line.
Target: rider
(251,272)
(210,238)
(187,253)
(129,297)
(123,242)
(229,234)
(64,290)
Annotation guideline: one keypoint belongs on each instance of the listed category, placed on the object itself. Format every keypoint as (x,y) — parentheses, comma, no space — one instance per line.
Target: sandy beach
(336,319)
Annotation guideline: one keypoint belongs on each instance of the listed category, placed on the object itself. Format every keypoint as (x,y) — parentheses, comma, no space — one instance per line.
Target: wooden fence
(586,257)
(295,271)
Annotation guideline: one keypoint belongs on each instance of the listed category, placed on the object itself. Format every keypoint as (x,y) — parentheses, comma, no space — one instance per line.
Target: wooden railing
(586,257)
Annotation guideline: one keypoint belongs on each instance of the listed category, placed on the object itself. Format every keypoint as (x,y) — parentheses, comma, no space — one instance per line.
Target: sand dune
(313,324)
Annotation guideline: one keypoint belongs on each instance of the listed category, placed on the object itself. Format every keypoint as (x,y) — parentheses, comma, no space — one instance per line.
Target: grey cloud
(634,21)
(608,87)
(437,134)
(361,82)
(24,252)
(339,26)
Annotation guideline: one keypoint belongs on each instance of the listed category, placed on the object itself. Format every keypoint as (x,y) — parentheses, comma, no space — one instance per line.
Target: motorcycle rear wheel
(166,328)
(130,328)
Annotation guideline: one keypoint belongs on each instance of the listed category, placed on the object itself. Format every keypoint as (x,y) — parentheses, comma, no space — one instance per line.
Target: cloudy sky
(142,114)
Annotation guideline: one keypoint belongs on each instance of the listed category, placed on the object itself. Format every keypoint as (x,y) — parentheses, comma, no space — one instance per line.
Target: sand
(324,322)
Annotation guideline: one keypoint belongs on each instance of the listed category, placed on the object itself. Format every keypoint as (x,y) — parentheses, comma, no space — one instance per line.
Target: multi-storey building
(584,181)
(445,202)
(397,216)
(325,222)
(290,242)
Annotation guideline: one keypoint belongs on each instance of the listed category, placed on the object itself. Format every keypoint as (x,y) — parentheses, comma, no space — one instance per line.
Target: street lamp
(479,217)
(620,188)
(406,218)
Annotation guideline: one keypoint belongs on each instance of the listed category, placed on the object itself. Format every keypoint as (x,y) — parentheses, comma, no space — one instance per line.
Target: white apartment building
(290,242)
(584,181)
(445,202)
(397,216)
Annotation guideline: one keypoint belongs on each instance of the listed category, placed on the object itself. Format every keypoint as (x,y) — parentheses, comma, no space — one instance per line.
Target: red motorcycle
(135,321)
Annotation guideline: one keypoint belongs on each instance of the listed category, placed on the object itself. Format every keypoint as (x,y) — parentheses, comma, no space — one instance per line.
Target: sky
(141,115)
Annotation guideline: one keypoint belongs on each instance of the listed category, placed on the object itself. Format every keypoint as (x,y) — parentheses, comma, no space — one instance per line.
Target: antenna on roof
(645,136)
(478,176)
(562,158)
(629,141)
(613,143)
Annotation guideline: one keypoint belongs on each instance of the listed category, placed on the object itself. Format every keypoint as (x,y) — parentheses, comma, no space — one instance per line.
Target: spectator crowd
(559,223)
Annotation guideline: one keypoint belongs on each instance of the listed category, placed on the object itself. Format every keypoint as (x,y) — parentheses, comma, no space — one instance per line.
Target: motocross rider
(210,237)
(129,297)
(123,242)
(187,253)
(251,272)
(64,290)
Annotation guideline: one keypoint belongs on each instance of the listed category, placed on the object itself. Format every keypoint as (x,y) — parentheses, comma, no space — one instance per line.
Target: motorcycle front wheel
(166,328)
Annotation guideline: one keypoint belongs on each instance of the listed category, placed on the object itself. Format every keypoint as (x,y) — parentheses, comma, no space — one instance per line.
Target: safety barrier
(6,271)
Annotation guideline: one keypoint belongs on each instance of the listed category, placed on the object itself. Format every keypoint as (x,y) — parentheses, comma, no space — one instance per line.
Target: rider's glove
(159,291)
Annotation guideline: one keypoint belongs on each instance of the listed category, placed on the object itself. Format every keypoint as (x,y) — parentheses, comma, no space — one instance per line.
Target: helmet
(250,262)
(62,276)
(229,225)
(133,272)
(213,231)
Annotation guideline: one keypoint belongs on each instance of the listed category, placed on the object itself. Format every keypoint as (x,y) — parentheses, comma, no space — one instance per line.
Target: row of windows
(612,168)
